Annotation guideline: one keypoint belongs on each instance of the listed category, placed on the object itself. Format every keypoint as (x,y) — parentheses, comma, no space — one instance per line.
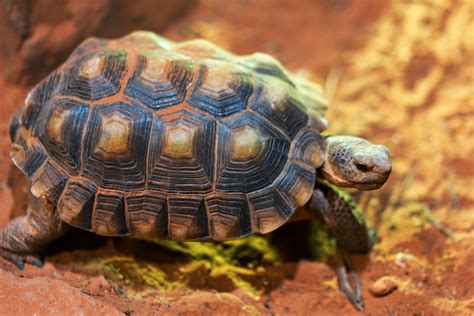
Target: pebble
(383,286)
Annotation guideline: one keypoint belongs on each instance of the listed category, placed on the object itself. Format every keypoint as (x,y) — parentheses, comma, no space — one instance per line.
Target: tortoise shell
(146,137)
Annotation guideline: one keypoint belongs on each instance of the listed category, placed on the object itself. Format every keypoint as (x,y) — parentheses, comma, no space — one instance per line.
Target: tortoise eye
(363,167)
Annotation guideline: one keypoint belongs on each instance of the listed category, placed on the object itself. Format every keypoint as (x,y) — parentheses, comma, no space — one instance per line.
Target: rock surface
(45,296)
(36,35)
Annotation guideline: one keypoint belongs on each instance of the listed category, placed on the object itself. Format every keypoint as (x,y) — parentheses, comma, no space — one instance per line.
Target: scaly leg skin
(24,238)
(350,232)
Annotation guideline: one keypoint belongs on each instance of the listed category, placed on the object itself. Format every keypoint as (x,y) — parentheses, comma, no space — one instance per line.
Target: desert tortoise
(150,138)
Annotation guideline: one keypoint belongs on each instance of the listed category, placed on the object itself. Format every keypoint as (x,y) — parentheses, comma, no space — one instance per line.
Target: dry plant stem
(453,195)
(332,82)
(407,181)
(439,226)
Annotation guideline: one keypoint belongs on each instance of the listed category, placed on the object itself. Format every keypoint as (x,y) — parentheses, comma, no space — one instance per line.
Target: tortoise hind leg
(25,237)
(349,230)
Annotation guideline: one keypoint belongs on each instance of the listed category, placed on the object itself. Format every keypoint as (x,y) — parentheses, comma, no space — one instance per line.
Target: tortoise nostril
(364,167)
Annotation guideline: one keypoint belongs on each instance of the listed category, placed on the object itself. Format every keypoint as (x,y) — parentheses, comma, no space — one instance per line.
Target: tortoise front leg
(26,237)
(350,232)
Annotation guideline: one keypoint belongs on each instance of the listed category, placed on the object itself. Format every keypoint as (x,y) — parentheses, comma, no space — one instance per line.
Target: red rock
(205,303)
(45,296)
(6,198)
(54,28)
(98,284)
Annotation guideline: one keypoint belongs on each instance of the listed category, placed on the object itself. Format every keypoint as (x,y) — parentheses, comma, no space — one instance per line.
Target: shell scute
(229,216)
(182,152)
(38,98)
(296,184)
(266,65)
(187,217)
(109,214)
(48,182)
(95,76)
(269,209)
(308,148)
(27,156)
(277,102)
(148,215)
(222,88)
(62,132)
(160,80)
(264,149)
(116,146)
(76,204)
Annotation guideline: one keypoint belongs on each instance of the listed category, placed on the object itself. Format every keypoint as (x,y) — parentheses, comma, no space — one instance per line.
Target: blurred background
(397,72)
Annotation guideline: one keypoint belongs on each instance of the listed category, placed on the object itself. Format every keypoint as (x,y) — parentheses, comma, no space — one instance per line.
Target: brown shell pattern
(146,137)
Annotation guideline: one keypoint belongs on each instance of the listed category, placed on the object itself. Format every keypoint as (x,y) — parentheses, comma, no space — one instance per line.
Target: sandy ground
(399,74)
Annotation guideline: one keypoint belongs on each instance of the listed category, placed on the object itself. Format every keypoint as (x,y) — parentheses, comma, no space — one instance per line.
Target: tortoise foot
(20,259)
(348,281)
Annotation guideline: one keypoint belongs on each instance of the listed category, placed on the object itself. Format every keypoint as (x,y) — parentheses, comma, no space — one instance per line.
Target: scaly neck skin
(355,162)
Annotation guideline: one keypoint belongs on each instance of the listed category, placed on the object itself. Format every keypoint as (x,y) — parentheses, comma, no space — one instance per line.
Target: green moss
(321,243)
(250,250)
(129,271)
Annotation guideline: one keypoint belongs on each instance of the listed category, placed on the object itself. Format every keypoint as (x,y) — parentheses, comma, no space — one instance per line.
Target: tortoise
(150,138)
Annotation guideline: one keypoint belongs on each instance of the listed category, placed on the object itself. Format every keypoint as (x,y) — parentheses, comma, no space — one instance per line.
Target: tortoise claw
(35,260)
(348,281)
(20,260)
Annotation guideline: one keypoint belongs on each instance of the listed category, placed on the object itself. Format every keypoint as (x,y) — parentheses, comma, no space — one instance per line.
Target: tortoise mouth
(371,180)
(368,186)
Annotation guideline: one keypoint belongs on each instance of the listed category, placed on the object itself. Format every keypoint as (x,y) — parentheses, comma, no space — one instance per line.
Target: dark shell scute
(148,214)
(95,76)
(159,88)
(182,152)
(76,204)
(252,153)
(221,91)
(187,218)
(229,216)
(37,99)
(116,146)
(309,148)
(296,184)
(270,209)
(49,181)
(62,132)
(109,214)
(35,157)
(275,103)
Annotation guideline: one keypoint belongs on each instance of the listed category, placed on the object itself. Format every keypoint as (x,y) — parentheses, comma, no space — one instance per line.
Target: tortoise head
(355,162)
